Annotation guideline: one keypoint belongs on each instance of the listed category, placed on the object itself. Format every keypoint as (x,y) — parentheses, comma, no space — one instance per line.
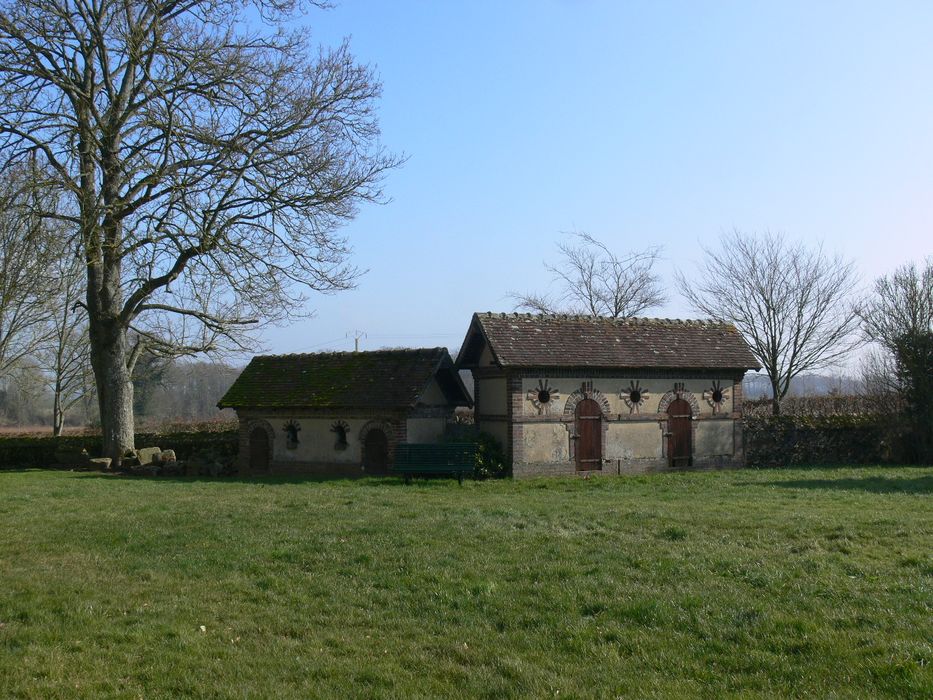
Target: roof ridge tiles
(349,352)
(605,319)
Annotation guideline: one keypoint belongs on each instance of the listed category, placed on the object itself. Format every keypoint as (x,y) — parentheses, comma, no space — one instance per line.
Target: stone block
(102,463)
(149,455)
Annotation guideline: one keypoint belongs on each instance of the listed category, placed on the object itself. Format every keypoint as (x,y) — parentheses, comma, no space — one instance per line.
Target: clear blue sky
(640,123)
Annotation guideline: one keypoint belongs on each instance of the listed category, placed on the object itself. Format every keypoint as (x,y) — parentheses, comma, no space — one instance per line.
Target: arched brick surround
(390,429)
(586,392)
(270,433)
(685,395)
(666,401)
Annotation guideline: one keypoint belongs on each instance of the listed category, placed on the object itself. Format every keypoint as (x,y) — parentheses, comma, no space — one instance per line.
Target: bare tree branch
(592,280)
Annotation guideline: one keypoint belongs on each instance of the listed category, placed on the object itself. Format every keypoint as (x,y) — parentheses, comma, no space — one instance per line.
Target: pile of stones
(150,461)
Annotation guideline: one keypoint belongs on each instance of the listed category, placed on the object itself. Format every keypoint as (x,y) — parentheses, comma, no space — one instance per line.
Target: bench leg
(460,478)
(407,478)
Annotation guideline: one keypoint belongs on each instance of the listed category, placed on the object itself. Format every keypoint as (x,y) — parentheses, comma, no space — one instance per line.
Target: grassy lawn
(754,583)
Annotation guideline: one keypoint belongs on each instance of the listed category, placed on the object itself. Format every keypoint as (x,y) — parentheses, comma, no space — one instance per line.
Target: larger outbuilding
(571,394)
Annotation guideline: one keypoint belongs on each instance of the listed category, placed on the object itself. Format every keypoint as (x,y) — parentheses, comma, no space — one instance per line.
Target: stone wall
(538,428)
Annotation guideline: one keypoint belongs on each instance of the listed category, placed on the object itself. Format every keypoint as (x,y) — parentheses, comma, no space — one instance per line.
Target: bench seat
(453,458)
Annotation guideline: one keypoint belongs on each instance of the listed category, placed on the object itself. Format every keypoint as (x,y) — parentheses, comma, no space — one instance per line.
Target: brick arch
(266,427)
(674,395)
(586,393)
(388,427)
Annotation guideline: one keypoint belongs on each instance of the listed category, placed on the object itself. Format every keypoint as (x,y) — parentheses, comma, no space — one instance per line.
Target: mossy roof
(381,378)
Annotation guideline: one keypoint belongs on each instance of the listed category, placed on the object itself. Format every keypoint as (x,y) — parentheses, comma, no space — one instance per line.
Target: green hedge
(793,440)
(39,452)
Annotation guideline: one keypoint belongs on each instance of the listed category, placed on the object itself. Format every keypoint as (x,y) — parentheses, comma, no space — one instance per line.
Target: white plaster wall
(492,396)
(316,441)
(499,429)
(715,438)
(634,440)
(485,357)
(545,442)
(433,396)
(425,429)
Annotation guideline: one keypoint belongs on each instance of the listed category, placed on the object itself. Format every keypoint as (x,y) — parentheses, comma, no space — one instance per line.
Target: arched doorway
(679,433)
(589,439)
(259,451)
(376,452)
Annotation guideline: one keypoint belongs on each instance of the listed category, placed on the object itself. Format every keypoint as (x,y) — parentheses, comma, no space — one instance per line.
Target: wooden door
(258,451)
(589,442)
(376,452)
(679,434)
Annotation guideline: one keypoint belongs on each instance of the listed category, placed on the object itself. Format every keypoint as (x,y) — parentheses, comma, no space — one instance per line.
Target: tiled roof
(382,378)
(536,340)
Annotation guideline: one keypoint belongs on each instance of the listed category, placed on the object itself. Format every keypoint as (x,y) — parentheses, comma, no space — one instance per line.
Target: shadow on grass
(270,480)
(869,484)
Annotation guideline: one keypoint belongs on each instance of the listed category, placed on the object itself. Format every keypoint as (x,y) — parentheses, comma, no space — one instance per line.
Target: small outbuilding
(341,413)
(568,394)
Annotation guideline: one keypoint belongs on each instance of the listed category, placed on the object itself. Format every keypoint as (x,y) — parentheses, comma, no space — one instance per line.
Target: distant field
(759,583)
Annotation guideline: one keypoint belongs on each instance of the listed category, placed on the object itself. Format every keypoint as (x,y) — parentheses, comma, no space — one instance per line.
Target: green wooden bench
(453,458)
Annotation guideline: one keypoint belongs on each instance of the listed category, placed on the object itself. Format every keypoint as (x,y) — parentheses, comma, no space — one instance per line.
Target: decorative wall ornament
(341,429)
(543,397)
(679,393)
(716,396)
(291,428)
(634,396)
(586,391)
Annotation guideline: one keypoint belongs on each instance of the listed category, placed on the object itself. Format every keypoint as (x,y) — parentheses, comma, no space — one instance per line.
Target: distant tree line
(166,392)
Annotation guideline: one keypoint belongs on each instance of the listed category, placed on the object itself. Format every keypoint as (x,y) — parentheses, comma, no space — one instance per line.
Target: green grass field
(754,583)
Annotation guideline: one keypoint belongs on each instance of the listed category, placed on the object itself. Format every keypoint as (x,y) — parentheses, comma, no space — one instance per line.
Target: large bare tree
(209,155)
(794,304)
(592,280)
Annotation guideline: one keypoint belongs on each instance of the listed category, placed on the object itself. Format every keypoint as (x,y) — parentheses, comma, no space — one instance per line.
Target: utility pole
(357,335)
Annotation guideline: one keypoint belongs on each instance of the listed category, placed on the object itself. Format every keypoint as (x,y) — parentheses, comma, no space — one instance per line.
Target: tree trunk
(114,390)
(58,415)
(775,400)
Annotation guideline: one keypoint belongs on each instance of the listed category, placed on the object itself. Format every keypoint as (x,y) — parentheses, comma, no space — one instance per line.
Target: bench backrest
(452,454)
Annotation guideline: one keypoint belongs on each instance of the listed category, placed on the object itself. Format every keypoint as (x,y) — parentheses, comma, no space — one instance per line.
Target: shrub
(490,458)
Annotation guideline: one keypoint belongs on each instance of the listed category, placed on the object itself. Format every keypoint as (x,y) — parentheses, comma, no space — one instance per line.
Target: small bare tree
(898,318)
(65,357)
(592,280)
(901,303)
(793,304)
(25,253)
(210,155)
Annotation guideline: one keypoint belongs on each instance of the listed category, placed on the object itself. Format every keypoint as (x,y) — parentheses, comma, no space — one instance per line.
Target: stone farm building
(341,413)
(567,394)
